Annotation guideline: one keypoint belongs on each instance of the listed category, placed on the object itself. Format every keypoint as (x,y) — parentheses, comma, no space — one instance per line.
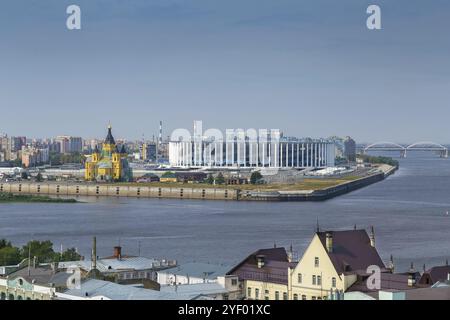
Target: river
(407,210)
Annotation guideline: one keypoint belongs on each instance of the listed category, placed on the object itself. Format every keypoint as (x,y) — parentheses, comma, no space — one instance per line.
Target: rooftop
(198,270)
(113,264)
(352,250)
(275,268)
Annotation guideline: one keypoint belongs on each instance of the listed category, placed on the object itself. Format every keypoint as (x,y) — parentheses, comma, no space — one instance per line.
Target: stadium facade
(265,148)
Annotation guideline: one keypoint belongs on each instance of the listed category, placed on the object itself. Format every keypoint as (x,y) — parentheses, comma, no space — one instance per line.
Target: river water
(407,210)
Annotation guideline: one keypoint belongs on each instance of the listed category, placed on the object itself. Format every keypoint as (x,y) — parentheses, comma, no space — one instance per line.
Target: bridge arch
(385,145)
(426,145)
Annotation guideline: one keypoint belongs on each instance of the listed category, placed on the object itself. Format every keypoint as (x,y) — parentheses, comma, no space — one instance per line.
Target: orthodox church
(109,164)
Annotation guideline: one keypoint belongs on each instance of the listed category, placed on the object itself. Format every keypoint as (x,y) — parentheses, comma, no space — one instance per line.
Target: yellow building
(331,264)
(109,164)
(264,275)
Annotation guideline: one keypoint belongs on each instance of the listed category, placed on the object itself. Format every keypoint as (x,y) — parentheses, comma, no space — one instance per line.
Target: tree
(9,256)
(167,174)
(43,251)
(4,243)
(70,254)
(220,179)
(39,177)
(210,179)
(255,177)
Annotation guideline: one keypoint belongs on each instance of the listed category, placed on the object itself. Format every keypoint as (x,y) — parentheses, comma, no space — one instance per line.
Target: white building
(239,148)
(192,273)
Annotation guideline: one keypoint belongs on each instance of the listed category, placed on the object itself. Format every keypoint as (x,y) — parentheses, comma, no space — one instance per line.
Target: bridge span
(429,146)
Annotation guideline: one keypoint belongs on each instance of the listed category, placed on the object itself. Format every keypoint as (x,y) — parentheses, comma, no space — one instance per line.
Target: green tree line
(42,250)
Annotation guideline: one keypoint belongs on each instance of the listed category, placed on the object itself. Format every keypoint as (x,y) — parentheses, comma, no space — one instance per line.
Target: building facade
(239,150)
(109,164)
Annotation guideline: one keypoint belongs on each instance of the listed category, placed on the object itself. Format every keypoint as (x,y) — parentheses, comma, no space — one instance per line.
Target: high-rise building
(350,149)
(148,151)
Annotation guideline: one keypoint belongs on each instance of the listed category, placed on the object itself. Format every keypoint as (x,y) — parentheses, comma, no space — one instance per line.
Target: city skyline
(310,69)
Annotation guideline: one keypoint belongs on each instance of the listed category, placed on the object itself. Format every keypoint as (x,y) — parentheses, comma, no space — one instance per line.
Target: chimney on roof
(118,252)
(329,242)
(260,260)
(391,264)
(372,237)
(411,276)
(290,254)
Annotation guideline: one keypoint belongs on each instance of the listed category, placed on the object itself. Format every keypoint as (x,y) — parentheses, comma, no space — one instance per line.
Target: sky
(309,67)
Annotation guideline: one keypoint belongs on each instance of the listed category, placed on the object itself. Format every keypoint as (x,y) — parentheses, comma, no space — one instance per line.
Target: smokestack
(411,276)
(372,237)
(94,253)
(118,252)
(260,259)
(329,242)
(160,132)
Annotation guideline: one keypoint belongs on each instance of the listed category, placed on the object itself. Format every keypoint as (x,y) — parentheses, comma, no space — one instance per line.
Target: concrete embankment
(88,189)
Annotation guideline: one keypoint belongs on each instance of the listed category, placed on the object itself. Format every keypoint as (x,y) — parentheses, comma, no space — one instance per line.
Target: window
(277,295)
(319,280)
(333,282)
(234,282)
(285,297)
(303,297)
(314,280)
(316,262)
(256,293)
(299,278)
(295,296)
(249,292)
(225,297)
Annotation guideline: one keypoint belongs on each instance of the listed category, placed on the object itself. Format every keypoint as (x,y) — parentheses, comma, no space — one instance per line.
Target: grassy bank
(304,184)
(9,197)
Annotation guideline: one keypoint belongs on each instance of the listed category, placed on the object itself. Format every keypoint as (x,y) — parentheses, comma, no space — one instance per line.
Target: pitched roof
(388,281)
(109,138)
(351,250)
(435,274)
(275,267)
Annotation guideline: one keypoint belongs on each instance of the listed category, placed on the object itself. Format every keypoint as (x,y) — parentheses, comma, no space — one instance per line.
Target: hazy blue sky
(310,68)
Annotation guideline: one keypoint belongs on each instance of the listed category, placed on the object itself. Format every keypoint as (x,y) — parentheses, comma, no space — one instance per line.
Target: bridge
(430,146)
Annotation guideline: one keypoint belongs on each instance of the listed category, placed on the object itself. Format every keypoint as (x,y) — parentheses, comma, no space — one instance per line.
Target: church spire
(109,138)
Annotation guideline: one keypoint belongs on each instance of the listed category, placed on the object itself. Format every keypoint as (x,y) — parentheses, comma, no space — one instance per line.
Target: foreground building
(263,275)
(333,261)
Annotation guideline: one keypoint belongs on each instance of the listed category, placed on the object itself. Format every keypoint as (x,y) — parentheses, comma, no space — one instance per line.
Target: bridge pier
(403,154)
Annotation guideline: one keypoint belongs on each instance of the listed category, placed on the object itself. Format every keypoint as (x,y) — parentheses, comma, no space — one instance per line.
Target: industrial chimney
(372,237)
(329,242)
(94,254)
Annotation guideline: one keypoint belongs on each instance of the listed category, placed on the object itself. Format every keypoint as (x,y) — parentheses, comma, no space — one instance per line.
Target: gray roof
(97,288)
(198,270)
(114,264)
(194,290)
(42,276)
